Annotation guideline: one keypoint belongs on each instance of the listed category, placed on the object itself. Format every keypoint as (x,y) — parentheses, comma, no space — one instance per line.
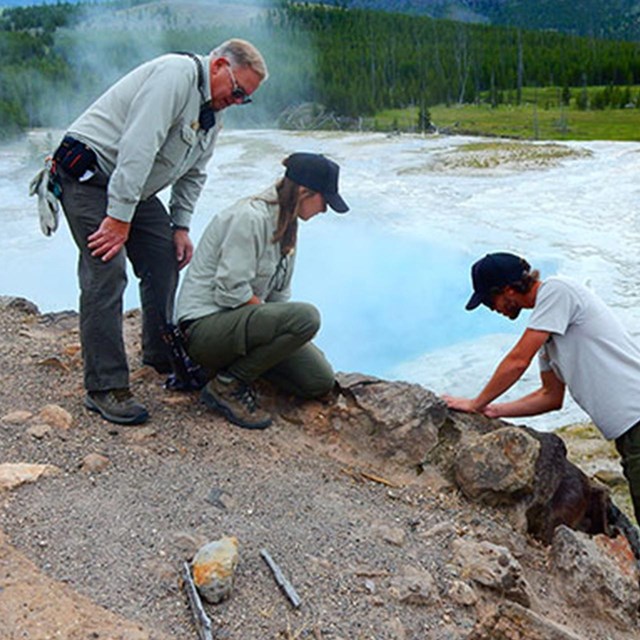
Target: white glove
(48,205)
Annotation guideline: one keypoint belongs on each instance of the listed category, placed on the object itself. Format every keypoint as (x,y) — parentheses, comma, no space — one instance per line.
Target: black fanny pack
(75,157)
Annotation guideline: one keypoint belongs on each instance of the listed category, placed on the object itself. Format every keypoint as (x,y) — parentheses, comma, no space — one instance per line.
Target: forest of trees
(353,63)
(617,19)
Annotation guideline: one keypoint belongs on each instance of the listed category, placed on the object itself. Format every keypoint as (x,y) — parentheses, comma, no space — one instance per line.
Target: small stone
(16,417)
(396,629)
(141,434)
(39,431)
(392,535)
(442,530)
(414,585)
(94,463)
(462,593)
(14,474)
(56,416)
(370,586)
(214,569)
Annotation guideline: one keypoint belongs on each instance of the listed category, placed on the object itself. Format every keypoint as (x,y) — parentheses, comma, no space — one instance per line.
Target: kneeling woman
(233,305)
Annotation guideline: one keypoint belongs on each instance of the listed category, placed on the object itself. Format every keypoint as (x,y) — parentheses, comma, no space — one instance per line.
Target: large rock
(499,467)
(597,577)
(510,621)
(20,304)
(542,490)
(397,420)
(492,566)
(563,494)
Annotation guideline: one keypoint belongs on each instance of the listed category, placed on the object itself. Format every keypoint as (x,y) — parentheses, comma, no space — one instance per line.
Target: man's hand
(493,411)
(109,238)
(184,247)
(462,404)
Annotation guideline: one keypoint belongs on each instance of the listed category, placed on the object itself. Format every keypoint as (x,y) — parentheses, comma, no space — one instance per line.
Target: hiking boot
(236,401)
(116,405)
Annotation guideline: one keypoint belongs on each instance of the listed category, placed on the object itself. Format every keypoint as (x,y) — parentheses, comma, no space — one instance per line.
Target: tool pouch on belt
(75,157)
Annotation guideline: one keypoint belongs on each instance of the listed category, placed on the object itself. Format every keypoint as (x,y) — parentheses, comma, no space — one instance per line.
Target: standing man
(157,126)
(580,345)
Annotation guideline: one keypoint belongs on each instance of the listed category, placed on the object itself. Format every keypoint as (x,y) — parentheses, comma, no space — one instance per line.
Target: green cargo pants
(270,340)
(628,445)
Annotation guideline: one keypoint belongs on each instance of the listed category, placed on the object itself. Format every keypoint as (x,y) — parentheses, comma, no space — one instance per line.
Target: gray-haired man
(580,345)
(156,127)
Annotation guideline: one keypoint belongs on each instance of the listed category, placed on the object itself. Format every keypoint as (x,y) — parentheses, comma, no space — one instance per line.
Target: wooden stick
(283,583)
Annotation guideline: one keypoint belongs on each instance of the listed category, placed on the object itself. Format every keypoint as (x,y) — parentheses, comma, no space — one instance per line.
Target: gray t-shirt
(591,352)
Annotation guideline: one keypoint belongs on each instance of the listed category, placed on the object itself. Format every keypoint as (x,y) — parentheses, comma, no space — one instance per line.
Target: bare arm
(509,371)
(548,397)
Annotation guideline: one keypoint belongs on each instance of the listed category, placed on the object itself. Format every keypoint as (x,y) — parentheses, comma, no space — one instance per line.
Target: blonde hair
(242,53)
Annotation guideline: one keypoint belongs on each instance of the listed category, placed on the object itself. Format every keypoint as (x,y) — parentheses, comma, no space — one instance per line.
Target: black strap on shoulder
(207,116)
(199,67)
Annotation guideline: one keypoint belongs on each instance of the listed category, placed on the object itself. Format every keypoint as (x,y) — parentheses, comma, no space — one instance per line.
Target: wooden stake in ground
(283,583)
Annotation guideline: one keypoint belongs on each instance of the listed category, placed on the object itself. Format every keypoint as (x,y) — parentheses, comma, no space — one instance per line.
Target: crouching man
(580,345)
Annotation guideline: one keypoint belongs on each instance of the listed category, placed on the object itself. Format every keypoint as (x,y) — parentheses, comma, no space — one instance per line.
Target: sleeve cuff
(181,218)
(120,211)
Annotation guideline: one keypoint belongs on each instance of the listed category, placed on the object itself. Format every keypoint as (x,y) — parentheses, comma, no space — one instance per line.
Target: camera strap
(207,116)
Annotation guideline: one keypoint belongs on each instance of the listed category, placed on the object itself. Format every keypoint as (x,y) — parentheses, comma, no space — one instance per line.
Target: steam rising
(106,43)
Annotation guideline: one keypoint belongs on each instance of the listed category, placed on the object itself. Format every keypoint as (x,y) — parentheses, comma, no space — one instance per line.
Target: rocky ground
(94,532)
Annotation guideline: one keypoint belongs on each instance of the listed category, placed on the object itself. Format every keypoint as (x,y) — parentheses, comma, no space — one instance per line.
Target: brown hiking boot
(116,405)
(236,401)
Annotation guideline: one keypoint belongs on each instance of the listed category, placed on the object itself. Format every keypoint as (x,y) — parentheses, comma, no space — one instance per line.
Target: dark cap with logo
(317,173)
(494,271)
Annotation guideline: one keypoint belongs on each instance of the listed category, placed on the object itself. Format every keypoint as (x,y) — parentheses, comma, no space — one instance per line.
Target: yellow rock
(214,568)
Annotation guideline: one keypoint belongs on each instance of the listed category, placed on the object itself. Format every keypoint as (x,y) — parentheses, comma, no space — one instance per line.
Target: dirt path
(96,550)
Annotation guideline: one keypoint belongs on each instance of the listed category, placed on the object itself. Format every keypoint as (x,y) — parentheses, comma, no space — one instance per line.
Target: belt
(184,326)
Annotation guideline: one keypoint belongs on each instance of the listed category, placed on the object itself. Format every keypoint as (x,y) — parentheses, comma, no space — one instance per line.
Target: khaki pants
(269,340)
(628,445)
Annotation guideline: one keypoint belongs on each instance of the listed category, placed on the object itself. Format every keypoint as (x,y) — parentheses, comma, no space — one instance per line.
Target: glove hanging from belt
(46,186)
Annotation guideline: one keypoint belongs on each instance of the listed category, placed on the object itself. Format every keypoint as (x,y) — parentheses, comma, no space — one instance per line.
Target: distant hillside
(614,19)
(617,19)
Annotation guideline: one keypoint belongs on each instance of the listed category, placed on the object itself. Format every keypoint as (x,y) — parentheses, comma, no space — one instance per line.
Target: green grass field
(539,118)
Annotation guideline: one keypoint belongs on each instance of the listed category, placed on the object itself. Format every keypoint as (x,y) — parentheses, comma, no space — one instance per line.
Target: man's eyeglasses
(237,92)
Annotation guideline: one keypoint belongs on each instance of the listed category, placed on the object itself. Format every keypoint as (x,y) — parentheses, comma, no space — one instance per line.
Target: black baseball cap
(314,171)
(494,271)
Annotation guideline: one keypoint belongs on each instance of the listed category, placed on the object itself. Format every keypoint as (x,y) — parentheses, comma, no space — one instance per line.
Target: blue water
(386,297)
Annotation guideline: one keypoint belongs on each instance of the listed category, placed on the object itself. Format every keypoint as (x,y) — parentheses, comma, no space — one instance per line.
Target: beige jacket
(145,132)
(236,259)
